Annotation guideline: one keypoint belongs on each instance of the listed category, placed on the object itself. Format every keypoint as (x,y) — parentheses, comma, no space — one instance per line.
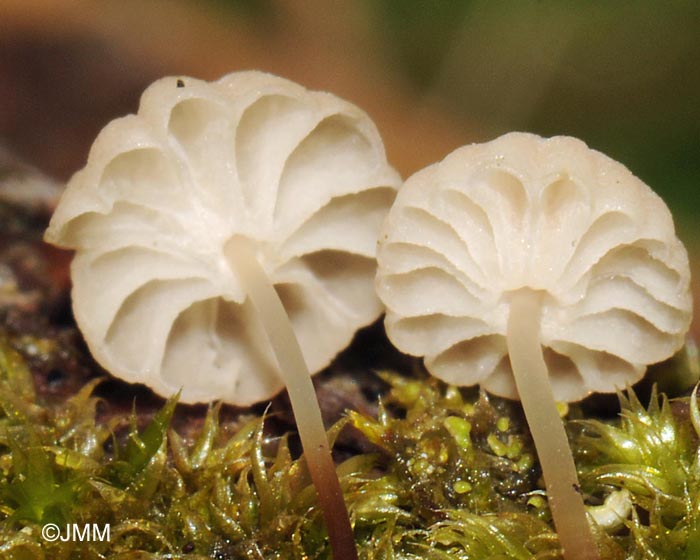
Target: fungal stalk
(535,392)
(297,378)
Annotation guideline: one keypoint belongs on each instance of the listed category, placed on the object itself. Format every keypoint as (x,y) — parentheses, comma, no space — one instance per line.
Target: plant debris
(453,475)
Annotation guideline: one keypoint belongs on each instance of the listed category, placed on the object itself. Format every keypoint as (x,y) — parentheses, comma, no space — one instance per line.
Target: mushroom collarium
(225,242)
(543,271)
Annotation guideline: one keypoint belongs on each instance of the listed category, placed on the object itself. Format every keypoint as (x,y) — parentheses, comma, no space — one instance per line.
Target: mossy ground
(453,476)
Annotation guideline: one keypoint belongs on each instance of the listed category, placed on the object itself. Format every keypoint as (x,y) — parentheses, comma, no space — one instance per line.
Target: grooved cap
(301,174)
(551,215)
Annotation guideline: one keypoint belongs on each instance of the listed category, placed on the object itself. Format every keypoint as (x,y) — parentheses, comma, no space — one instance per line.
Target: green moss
(457,475)
(215,497)
(453,476)
(651,452)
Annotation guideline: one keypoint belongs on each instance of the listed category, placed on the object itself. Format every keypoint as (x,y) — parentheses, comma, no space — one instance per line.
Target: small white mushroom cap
(302,175)
(551,215)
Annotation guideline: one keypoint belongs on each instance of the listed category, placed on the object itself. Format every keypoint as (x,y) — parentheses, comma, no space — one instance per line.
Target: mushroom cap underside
(302,175)
(549,215)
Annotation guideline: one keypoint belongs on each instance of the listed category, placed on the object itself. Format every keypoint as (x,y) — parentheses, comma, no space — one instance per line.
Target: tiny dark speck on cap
(180,83)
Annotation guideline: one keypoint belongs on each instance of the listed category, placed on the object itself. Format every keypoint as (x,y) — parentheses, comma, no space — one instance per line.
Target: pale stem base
(302,396)
(547,428)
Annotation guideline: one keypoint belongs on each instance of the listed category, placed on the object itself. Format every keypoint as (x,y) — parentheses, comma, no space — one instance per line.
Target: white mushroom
(541,270)
(205,220)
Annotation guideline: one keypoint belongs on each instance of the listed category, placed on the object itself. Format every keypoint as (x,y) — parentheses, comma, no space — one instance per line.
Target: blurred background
(433,74)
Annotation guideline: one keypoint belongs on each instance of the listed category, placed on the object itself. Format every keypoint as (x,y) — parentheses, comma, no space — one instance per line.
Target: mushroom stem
(302,395)
(546,427)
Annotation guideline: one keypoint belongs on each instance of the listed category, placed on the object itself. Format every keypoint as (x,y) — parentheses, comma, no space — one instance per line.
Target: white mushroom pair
(220,209)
